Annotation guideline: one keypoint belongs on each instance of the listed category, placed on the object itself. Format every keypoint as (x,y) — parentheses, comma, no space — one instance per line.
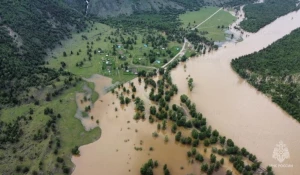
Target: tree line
(274,71)
(261,14)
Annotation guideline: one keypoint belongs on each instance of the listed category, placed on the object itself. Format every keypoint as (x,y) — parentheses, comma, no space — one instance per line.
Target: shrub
(75,150)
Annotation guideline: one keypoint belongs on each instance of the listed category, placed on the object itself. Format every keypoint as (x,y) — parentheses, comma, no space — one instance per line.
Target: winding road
(181,53)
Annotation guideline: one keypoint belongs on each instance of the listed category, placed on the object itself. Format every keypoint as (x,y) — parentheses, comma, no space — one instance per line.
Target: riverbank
(236,108)
(121,135)
(232,106)
(45,132)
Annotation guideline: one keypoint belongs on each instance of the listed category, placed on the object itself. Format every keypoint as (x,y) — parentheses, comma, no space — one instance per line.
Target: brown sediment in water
(237,109)
(101,84)
(114,152)
(230,105)
(81,104)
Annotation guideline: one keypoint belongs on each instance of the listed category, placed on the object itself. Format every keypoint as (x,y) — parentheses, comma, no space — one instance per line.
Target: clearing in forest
(213,28)
(111,52)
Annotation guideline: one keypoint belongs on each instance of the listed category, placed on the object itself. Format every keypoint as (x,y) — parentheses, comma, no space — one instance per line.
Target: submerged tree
(190,83)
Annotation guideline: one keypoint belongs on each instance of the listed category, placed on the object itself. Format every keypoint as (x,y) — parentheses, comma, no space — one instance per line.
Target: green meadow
(193,18)
(109,57)
(212,29)
(40,154)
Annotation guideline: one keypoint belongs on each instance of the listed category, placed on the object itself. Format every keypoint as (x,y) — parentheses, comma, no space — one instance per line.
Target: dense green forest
(18,71)
(38,25)
(260,14)
(79,5)
(233,3)
(113,8)
(275,71)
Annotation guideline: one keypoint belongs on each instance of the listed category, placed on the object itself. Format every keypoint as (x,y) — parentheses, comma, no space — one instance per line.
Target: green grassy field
(196,17)
(29,152)
(75,45)
(121,66)
(212,29)
(214,25)
(94,95)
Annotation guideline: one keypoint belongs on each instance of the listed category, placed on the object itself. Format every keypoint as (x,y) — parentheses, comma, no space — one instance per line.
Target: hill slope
(27,29)
(105,8)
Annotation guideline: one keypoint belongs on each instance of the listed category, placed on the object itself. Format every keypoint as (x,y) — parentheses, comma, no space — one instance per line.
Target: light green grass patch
(105,63)
(196,17)
(94,95)
(70,132)
(77,43)
(215,26)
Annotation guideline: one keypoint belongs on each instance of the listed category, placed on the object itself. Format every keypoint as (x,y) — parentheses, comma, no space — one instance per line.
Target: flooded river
(230,105)
(234,107)
(114,152)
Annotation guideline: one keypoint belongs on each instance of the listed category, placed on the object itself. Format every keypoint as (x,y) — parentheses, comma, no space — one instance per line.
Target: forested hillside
(79,5)
(106,8)
(275,71)
(260,14)
(28,29)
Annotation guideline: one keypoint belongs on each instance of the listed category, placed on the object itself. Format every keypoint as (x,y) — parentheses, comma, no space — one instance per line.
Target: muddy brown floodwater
(102,83)
(114,152)
(237,109)
(230,105)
